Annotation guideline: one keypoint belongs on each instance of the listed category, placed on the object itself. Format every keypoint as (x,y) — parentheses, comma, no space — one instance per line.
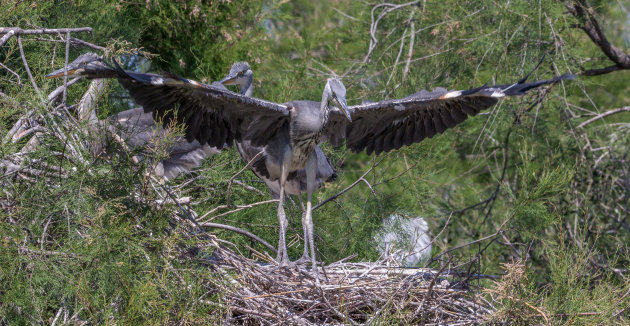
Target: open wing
(210,114)
(387,125)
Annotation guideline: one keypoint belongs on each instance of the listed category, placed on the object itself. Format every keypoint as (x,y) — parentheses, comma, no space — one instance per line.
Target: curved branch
(240,231)
(583,11)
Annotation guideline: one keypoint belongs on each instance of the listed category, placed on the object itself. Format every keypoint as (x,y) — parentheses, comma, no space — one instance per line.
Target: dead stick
(603,115)
(229,189)
(19,31)
(240,231)
(28,71)
(59,90)
(238,208)
(361,178)
(6,37)
(65,71)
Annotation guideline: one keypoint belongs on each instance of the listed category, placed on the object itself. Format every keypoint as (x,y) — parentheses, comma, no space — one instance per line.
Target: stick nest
(349,293)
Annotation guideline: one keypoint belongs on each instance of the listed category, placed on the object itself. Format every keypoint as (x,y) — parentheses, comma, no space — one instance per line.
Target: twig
(250,188)
(229,189)
(65,71)
(238,208)
(411,41)
(28,71)
(531,307)
(469,243)
(12,72)
(360,179)
(87,44)
(603,115)
(240,231)
(59,90)
(344,14)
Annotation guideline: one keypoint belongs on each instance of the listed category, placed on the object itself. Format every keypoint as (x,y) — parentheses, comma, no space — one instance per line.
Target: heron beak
(72,72)
(341,103)
(229,80)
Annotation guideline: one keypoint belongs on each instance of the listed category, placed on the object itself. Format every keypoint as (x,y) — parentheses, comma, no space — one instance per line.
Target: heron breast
(303,146)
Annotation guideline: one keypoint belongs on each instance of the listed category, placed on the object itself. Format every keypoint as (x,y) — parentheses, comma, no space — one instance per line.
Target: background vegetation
(526,189)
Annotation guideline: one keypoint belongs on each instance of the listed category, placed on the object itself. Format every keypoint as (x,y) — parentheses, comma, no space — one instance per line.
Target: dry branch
(240,231)
(583,11)
(40,31)
(603,115)
(28,70)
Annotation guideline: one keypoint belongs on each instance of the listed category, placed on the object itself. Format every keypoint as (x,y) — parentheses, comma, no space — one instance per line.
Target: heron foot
(283,261)
(304,260)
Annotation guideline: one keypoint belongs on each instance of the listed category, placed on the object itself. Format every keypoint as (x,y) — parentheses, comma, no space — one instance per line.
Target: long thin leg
(305,257)
(311,167)
(283,256)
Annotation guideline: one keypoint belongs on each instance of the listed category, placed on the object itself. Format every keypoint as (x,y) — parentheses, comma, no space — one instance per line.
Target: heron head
(77,67)
(240,74)
(337,96)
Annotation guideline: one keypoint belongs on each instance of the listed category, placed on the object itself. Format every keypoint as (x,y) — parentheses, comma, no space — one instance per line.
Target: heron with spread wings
(291,131)
(241,75)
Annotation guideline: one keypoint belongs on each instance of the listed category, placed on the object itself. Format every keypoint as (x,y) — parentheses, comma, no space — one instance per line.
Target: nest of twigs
(349,293)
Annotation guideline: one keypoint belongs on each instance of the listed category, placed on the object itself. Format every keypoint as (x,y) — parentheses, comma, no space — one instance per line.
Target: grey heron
(139,130)
(291,131)
(241,75)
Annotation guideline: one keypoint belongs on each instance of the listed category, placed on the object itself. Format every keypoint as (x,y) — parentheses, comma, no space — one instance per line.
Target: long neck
(324,111)
(248,88)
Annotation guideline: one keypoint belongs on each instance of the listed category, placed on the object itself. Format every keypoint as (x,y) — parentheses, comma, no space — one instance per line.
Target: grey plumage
(290,132)
(241,75)
(296,183)
(139,130)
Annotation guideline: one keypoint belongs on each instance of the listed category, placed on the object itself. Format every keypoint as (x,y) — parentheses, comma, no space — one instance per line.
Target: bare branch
(582,10)
(65,71)
(600,71)
(13,73)
(238,208)
(229,189)
(59,90)
(603,115)
(410,53)
(19,31)
(6,37)
(28,71)
(239,231)
(87,44)
(360,179)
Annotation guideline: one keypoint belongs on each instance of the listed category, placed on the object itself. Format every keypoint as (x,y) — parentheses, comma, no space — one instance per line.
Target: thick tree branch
(39,31)
(11,31)
(583,11)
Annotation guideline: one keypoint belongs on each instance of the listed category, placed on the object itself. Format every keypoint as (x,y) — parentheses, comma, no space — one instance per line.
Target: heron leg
(283,256)
(305,257)
(311,170)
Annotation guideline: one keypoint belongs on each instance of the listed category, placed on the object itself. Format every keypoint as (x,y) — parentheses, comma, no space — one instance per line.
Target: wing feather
(211,114)
(391,124)
(388,140)
(445,114)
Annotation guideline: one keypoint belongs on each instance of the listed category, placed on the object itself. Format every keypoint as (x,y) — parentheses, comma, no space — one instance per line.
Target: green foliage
(108,258)
(554,195)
